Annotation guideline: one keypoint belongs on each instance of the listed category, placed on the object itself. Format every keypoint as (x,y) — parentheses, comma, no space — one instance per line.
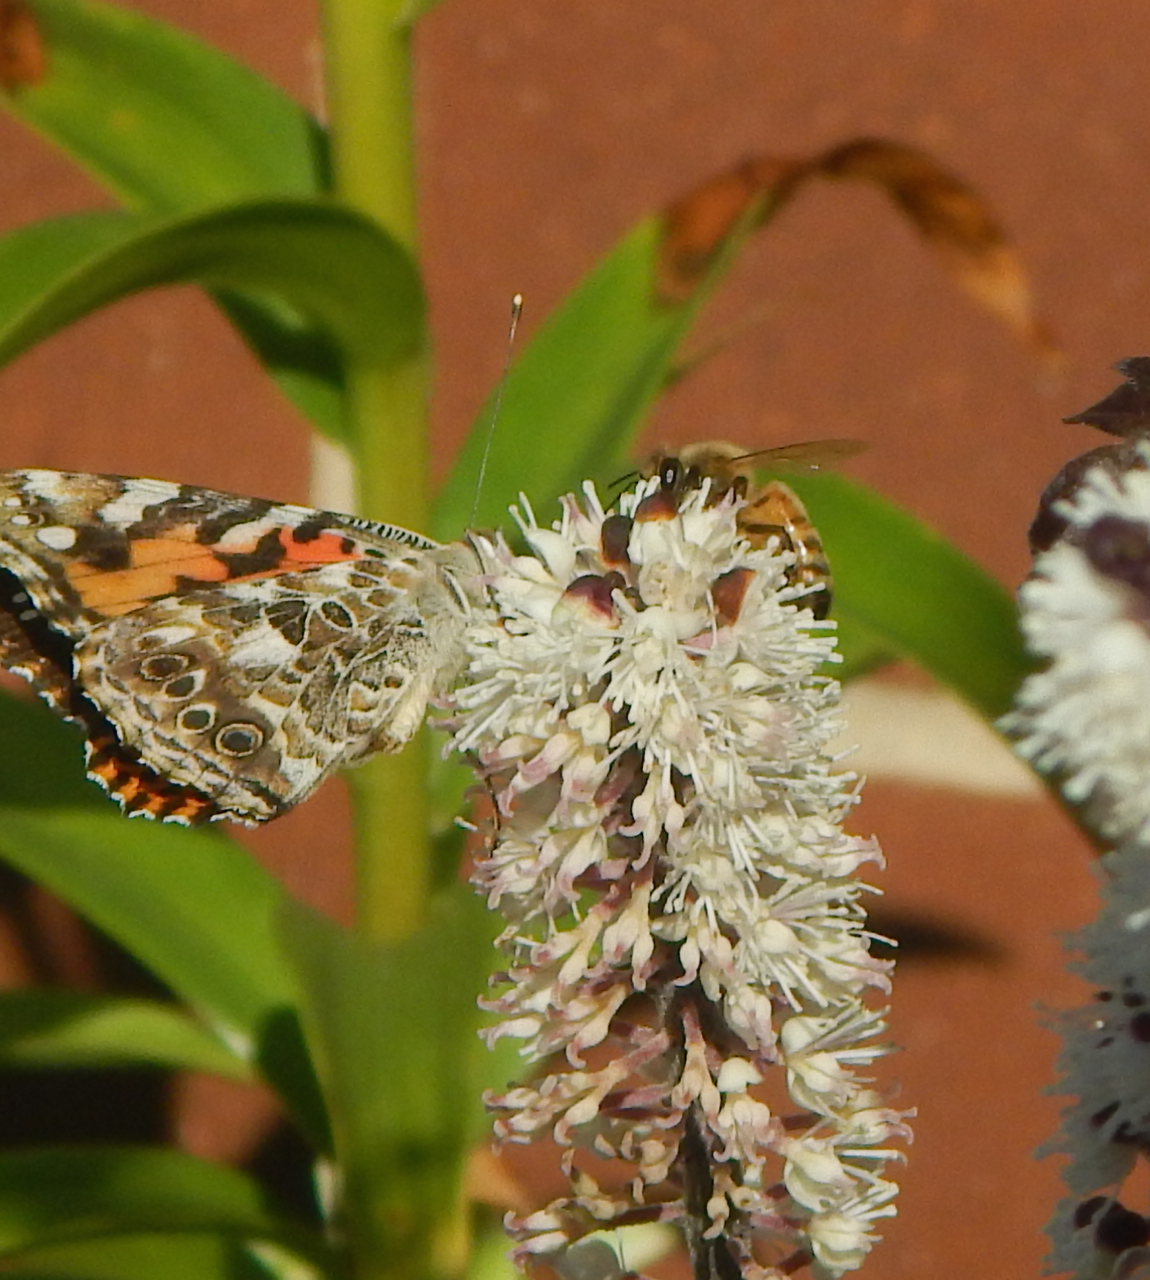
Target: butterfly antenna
(516,312)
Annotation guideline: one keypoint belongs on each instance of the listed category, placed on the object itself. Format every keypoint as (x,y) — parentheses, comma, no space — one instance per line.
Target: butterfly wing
(223,653)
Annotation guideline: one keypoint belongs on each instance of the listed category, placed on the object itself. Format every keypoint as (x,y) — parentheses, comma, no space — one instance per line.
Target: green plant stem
(393,1226)
(368,54)
(368,81)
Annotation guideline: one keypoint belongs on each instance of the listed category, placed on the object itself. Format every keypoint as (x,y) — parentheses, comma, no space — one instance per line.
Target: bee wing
(806,455)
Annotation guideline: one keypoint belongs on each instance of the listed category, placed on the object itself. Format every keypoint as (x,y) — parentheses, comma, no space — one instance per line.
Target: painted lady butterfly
(223,654)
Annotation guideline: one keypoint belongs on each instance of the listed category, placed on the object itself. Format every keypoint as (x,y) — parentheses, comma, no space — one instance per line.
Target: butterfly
(223,654)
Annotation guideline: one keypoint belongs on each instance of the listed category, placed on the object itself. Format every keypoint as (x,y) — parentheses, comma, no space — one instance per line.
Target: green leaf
(48,1028)
(915,594)
(392,1031)
(302,358)
(331,266)
(184,1255)
(192,906)
(41,759)
(167,122)
(125,93)
(576,397)
(73,1193)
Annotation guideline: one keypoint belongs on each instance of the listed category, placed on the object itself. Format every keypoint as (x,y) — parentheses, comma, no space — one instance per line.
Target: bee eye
(670,473)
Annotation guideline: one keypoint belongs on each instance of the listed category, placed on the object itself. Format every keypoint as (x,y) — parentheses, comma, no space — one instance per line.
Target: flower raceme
(687,955)
(1083,719)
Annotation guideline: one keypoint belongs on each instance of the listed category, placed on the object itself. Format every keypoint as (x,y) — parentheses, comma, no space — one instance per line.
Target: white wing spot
(165,637)
(58,537)
(51,486)
(13,502)
(129,507)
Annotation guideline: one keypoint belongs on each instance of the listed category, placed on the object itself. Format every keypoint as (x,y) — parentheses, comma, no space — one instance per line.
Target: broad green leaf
(392,1031)
(41,759)
(71,1193)
(38,260)
(167,122)
(184,1255)
(192,906)
(334,268)
(50,1028)
(576,397)
(300,355)
(915,593)
(125,93)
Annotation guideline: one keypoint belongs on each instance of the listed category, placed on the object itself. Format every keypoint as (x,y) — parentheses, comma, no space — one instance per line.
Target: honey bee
(773,509)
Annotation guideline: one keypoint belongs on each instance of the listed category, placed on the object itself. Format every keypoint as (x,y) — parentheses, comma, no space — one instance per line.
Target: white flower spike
(646,705)
(1085,720)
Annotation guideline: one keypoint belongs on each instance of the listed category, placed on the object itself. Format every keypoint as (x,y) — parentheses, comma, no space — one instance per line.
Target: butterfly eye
(239,739)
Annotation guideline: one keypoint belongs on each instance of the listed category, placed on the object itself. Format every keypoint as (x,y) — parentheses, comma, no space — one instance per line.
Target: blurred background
(546,131)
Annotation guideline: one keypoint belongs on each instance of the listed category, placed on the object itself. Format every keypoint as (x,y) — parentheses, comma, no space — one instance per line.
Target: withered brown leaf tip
(1126,410)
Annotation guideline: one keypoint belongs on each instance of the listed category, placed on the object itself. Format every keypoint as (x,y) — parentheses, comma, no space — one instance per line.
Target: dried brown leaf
(23,55)
(1126,410)
(950,216)
(697,226)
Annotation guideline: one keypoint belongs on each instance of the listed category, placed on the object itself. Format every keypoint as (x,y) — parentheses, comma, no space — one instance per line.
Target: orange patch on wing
(328,548)
(127,788)
(139,791)
(192,810)
(156,566)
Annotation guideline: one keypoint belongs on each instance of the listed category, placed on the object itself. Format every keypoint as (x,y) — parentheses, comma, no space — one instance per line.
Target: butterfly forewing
(227,649)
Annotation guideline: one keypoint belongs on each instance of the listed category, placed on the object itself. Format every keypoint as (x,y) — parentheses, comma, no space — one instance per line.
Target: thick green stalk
(396,1228)
(368,82)
(368,53)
